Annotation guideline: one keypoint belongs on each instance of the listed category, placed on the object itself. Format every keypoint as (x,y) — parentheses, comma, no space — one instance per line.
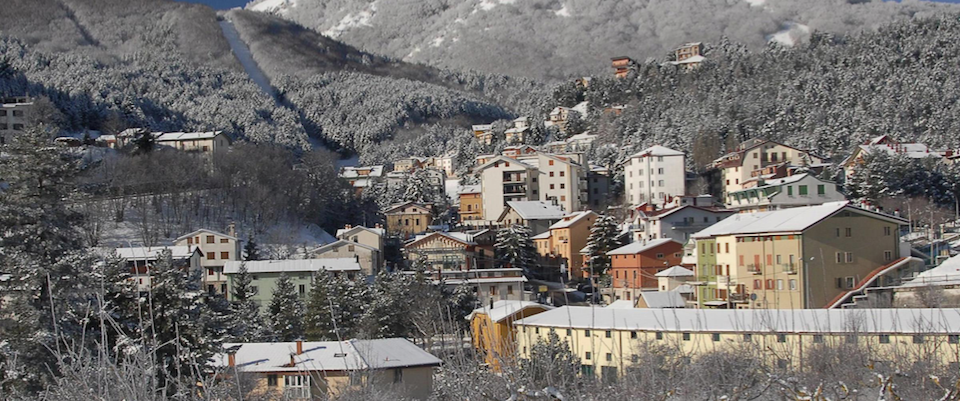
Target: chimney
(299,347)
(491,304)
(347,227)
(232,360)
(292,362)
(232,229)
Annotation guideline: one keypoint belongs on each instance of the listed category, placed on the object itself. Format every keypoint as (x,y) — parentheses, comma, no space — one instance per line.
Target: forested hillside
(828,95)
(562,38)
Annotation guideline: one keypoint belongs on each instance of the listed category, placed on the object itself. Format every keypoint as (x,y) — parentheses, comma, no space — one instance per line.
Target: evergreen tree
(248,325)
(551,363)
(335,308)
(251,250)
(286,311)
(515,248)
(318,321)
(386,313)
(603,238)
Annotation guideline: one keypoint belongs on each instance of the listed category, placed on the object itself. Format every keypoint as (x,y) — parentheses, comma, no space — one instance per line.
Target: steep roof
(572,219)
(470,189)
(204,230)
(620,304)
(663,299)
(543,235)
(536,210)
(676,271)
(352,172)
(293,265)
(506,159)
(340,243)
(464,239)
(504,309)
(404,204)
(347,231)
(634,248)
(657,150)
(947,273)
(753,320)
(351,355)
(785,220)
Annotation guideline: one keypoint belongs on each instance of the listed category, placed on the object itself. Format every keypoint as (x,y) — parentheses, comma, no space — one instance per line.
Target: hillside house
(622,66)
(738,167)
(216,249)
(409,164)
(361,177)
(677,222)
(492,327)
(204,142)
(14,117)
(264,274)
(140,261)
(793,191)
(801,257)
(560,115)
(309,370)
(634,266)
(408,219)
(560,245)
(483,133)
(654,175)
(471,205)
(372,237)
(537,215)
(369,258)
(518,133)
(886,144)
(689,56)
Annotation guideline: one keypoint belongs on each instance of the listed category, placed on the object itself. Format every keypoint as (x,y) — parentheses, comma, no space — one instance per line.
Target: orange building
(561,244)
(471,205)
(634,266)
(494,336)
(622,66)
(408,219)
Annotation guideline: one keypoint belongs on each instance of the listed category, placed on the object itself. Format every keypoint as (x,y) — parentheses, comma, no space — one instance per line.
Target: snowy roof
(516,130)
(185,136)
(504,309)
(514,162)
(947,273)
(470,189)
(351,355)
(581,107)
(690,60)
(657,150)
(152,253)
(785,220)
(537,210)
(663,299)
(354,172)
(520,119)
(204,230)
(483,127)
(911,150)
(584,137)
(782,181)
(543,235)
(634,248)
(571,219)
(293,265)
(347,231)
(753,320)
(339,243)
(463,238)
(621,304)
(676,271)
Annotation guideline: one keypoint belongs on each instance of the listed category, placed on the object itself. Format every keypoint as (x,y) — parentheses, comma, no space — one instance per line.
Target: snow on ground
(412,53)
(269,6)
(437,41)
(242,52)
(791,33)
(452,188)
(353,21)
(487,5)
(563,11)
(756,3)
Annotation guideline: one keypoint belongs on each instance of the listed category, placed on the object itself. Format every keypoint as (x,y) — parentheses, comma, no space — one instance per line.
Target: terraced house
(802,257)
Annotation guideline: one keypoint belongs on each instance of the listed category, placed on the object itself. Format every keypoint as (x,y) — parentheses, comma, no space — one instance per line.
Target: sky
(226,4)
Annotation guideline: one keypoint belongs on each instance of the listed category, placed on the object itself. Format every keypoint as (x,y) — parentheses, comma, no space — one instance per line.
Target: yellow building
(408,219)
(471,205)
(494,336)
(743,164)
(310,370)
(803,257)
(608,340)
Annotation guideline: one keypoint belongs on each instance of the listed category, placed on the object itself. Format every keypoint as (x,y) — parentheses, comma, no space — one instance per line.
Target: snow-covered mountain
(559,38)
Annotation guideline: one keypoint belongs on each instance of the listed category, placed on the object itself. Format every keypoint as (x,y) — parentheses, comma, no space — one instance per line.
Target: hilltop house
(361,177)
(622,66)
(800,257)
(308,370)
(14,115)
(689,56)
(204,142)
(518,134)
(560,115)
(483,133)
(886,144)
(216,249)
(741,165)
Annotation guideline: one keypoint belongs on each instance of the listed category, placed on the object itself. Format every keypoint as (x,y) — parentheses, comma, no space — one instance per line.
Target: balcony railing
(789,268)
(739,298)
(754,269)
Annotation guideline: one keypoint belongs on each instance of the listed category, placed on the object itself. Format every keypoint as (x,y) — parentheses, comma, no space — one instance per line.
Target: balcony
(512,177)
(754,269)
(515,190)
(739,298)
(789,268)
(688,225)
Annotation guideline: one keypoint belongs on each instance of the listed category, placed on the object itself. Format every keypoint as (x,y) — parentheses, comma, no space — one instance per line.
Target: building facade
(265,273)
(743,164)
(633,267)
(14,117)
(408,219)
(655,175)
(561,245)
(216,249)
(797,190)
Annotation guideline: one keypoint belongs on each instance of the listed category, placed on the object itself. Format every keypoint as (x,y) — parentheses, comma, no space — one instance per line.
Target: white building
(676,223)
(793,191)
(654,175)
(216,249)
(14,113)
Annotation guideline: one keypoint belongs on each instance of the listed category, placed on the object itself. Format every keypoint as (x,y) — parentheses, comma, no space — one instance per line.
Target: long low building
(264,274)
(608,340)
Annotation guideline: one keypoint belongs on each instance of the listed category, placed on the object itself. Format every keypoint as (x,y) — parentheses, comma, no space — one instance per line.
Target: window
(18,113)
(818,338)
(918,339)
(849,257)
(551,186)
(224,241)
(587,356)
(821,190)
(887,255)
(224,255)
(3,113)
(562,186)
(633,334)
(303,289)
(715,337)
(254,290)
(789,191)
(586,333)
(295,387)
(757,284)
(848,232)
(272,380)
(209,239)
(659,335)
(551,173)
(886,230)
(562,173)
(569,332)
(659,158)
(609,357)
(747,337)
(686,336)
(726,248)
(210,271)
(802,189)
(634,358)
(741,260)
(211,255)
(884,339)
(780,284)
(659,256)
(586,370)
(850,282)
(953,339)
(550,162)
(660,183)
(659,171)
(608,334)
(781,338)
(793,284)
(510,289)
(839,256)
(769,284)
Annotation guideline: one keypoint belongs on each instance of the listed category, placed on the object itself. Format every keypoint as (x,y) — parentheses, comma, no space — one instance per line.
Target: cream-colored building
(796,258)
(14,115)
(483,133)
(216,249)
(608,341)
(203,142)
(372,237)
(369,258)
(743,164)
(504,179)
(140,261)
(796,190)
(309,370)
(518,133)
(655,175)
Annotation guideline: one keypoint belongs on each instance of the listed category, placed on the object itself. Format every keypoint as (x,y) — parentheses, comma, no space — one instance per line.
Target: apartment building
(689,56)
(802,257)
(796,190)
(216,249)
(372,237)
(361,177)
(265,273)
(560,115)
(483,133)
(518,133)
(675,222)
(504,179)
(537,215)
(560,246)
(14,115)
(492,327)
(471,205)
(369,258)
(408,219)
(606,339)
(598,188)
(741,165)
(633,267)
(654,175)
